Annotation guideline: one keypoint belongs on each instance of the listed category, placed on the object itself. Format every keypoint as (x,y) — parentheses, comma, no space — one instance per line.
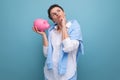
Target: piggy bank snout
(45,23)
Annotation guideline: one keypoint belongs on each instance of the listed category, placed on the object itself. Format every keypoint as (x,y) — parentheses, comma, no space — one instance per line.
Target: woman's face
(57,14)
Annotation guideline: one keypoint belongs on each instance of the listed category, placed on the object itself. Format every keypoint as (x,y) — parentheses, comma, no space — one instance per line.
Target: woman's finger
(36,29)
(33,29)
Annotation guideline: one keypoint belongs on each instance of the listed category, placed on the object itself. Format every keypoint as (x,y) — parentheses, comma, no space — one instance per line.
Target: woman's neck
(59,28)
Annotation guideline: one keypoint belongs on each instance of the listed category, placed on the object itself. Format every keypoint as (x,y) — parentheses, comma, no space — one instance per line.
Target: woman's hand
(37,31)
(63,22)
(64,29)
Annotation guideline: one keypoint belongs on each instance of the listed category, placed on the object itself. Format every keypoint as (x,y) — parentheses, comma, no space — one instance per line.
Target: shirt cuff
(66,41)
(45,49)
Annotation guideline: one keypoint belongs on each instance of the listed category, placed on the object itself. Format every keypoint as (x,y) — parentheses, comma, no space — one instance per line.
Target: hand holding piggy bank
(41,24)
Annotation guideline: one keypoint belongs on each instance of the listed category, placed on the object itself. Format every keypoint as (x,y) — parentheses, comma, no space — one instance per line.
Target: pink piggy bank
(41,24)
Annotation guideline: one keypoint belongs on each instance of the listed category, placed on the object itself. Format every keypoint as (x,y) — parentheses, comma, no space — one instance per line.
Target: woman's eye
(58,10)
(53,14)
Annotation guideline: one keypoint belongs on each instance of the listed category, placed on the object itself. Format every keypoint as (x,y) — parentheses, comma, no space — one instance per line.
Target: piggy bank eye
(44,22)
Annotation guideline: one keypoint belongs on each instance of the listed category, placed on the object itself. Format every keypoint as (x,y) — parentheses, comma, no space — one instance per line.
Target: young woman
(62,46)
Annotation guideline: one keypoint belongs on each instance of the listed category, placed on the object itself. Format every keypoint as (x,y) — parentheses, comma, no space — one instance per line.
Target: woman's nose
(57,14)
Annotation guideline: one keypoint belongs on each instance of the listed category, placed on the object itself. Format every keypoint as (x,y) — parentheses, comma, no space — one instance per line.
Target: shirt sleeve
(45,50)
(70,45)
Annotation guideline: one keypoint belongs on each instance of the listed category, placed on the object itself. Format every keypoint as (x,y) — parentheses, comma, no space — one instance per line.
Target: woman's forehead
(55,8)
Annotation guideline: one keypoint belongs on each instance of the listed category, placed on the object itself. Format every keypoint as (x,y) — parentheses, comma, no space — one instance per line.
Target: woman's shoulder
(73,20)
(51,27)
(74,23)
